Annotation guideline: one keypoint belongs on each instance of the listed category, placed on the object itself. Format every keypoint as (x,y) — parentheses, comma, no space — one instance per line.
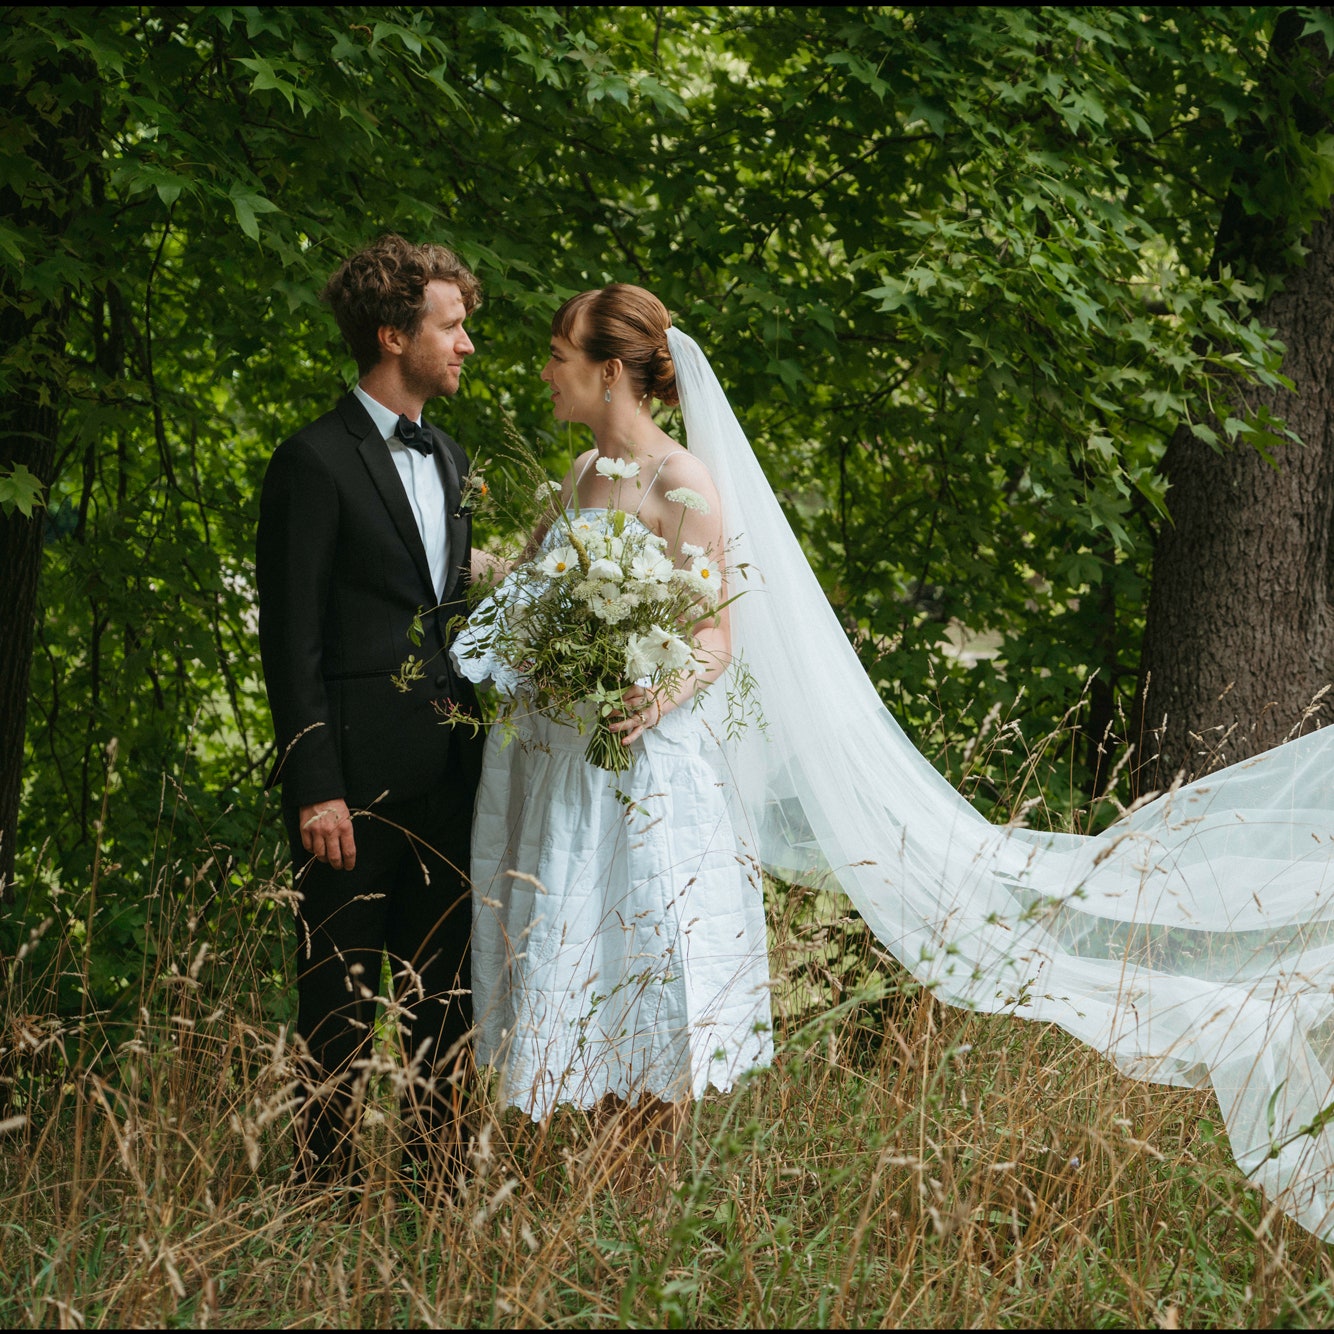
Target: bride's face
(577,382)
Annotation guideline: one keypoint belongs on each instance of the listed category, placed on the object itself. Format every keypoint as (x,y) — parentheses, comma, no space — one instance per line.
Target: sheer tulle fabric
(1190,942)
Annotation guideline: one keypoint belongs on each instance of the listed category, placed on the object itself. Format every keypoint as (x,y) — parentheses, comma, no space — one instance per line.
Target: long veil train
(1191,942)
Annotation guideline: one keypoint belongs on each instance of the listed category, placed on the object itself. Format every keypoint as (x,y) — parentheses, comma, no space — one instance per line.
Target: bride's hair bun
(625,322)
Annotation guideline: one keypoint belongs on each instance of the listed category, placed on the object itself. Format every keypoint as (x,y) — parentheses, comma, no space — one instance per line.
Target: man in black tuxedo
(362,528)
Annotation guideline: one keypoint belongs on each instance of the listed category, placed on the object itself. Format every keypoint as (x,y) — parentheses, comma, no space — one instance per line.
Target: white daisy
(594,543)
(663,648)
(607,570)
(619,469)
(559,561)
(651,568)
(704,574)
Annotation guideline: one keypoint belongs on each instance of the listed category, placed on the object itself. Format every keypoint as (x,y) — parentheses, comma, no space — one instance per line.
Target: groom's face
(433,356)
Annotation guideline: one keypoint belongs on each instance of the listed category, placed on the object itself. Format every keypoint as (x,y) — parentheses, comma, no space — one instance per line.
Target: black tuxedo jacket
(342,572)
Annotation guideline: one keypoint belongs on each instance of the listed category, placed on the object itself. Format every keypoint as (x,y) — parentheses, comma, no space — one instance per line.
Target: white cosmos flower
(692,500)
(607,603)
(559,561)
(619,469)
(704,574)
(638,664)
(665,649)
(651,568)
(607,570)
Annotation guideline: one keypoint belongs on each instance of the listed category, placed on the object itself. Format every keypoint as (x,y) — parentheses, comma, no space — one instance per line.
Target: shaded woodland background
(1029,314)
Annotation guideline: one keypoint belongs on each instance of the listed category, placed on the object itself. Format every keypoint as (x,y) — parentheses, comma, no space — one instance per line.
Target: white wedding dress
(618,929)
(1190,943)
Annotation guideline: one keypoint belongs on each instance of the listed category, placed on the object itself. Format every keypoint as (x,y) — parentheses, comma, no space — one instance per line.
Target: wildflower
(704,575)
(689,550)
(607,570)
(692,500)
(607,602)
(666,649)
(618,469)
(474,491)
(638,663)
(547,492)
(648,568)
(558,561)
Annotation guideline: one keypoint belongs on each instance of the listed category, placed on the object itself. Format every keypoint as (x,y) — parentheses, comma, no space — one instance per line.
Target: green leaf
(19,490)
(1319,19)
(267,78)
(246,205)
(10,244)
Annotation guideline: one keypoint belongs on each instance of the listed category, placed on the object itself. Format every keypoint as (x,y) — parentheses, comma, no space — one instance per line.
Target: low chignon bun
(662,376)
(629,324)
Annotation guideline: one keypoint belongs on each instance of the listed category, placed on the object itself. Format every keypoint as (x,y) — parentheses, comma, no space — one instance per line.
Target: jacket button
(441,681)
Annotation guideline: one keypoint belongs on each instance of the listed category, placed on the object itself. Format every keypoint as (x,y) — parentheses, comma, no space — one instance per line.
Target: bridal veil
(1190,942)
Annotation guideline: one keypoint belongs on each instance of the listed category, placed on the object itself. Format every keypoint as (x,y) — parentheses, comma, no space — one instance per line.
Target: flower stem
(606,750)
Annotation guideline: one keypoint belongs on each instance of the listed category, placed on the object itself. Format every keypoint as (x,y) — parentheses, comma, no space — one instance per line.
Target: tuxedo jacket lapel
(375,455)
(459,552)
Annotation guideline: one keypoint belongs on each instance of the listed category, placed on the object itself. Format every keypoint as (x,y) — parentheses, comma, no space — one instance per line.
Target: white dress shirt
(424,485)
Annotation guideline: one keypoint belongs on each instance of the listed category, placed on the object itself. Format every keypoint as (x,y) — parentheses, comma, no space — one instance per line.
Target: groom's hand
(326,833)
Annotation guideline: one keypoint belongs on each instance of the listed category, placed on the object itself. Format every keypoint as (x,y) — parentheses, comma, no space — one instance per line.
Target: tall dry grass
(902,1164)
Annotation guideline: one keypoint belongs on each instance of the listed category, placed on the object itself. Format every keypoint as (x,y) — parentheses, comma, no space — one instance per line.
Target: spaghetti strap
(670,453)
(579,481)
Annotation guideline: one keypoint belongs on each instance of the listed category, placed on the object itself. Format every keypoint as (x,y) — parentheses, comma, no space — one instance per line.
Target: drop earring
(606,397)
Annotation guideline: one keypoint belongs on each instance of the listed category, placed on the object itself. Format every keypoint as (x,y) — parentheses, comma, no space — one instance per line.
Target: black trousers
(409,896)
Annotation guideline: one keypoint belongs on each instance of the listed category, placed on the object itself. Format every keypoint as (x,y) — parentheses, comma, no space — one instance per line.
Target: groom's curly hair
(385,283)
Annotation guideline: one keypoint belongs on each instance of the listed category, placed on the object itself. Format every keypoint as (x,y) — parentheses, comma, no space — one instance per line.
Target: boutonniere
(474,492)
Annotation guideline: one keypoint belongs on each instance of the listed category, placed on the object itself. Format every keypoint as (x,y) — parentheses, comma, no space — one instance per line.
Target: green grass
(901,1164)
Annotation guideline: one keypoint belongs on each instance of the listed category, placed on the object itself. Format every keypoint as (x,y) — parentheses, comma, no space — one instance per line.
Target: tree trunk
(28,426)
(27,436)
(1238,641)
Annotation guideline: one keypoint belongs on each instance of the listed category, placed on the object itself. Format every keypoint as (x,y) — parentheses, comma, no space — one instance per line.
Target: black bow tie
(414,436)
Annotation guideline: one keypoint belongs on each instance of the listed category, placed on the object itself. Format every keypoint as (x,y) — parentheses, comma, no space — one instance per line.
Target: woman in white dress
(1190,943)
(619,948)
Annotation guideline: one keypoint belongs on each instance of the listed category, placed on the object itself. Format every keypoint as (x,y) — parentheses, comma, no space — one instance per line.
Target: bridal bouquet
(599,609)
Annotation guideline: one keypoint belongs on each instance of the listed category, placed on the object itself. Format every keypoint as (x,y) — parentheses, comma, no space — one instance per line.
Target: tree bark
(1238,642)
(27,436)
(29,422)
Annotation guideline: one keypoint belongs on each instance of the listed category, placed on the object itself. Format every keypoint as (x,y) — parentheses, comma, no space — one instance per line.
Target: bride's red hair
(627,323)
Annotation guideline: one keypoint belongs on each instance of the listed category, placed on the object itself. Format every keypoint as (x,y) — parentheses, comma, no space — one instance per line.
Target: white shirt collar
(385,419)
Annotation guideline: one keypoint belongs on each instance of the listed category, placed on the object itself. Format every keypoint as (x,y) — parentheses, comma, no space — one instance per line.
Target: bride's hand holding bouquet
(607,625)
